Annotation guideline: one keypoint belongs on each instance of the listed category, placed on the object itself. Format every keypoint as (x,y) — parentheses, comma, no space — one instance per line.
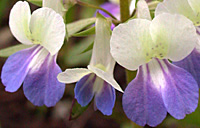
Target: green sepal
(77,26)
(13,49)
(76,110)
(89,48)
(87,32)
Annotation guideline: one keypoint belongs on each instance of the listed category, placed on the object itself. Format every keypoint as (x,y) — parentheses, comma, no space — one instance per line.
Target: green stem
(124,10)
(96,7)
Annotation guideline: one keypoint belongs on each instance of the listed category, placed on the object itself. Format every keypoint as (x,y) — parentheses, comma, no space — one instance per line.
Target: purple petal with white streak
(181,93)
(41,86)
(192,64)
(105,99)
(84,89)
(16,68)
(142,102)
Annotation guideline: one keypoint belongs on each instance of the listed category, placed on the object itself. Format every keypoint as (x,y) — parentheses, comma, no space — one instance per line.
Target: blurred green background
(17,112)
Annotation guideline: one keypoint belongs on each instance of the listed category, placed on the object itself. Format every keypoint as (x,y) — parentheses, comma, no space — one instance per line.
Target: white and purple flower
(159,86)
(36,66)
(97,81)
(190,9)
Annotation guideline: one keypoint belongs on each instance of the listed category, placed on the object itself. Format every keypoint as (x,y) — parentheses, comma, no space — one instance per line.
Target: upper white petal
(48,29)
(175,33)
(129,42)
(143,10)
(105,76)
(176,7)
(132,6)
(101,49)
(72,75)
(20,16)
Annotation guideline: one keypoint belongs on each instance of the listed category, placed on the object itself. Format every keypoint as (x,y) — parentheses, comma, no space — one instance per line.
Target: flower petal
(177,7)
(195,6)
(143,10)
(48,29)
(105,76)
(101,49)
(19,19)
(132,6)
(191,64)
(41,86)
(142,101)
(127,45)
(176,36)
(56,5)
(16,68)
(84,89)
(105,99)
(72,75)
(181,93)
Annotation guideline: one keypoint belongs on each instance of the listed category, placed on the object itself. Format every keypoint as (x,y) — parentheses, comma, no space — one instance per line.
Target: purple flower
(36,66)
(159,86)
(97,80)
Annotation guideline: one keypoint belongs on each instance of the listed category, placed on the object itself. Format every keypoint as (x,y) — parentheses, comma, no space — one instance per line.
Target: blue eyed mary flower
(36,66)
(191,10)
(97,81)
(159,86)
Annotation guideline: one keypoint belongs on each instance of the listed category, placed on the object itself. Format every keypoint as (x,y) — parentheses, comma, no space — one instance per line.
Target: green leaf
(76,110)
(77,26)
(13,49)
(90,31)
(90,47)
(36,2)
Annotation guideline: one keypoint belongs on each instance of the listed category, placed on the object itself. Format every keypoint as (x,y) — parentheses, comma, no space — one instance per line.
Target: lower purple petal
(181,92)
(84,89)
(105,99)
(16,68)
(191,64)
(41,86)
(142,101)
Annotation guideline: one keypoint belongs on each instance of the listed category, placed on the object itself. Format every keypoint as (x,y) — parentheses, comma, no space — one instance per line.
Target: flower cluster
(164,50)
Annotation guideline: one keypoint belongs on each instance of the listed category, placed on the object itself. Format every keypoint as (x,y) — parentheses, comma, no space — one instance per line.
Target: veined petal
(41,86)
(48,29)
(72,75)
(56,5)
(19,19)
(181,93)
(105,76)
(191,64)
(16,68)
(142,100)
(130,47)
(177,7)
(84,89)
(160,87)
(143,10)
(101,49)
(105,99)
(175,38)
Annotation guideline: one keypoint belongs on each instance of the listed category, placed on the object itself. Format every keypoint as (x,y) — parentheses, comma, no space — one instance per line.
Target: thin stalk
(124,10)
(96,7)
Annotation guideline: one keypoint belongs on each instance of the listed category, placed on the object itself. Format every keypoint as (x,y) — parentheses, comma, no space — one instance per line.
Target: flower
(36,66)
(190,9)
(96,81)
(159,86)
